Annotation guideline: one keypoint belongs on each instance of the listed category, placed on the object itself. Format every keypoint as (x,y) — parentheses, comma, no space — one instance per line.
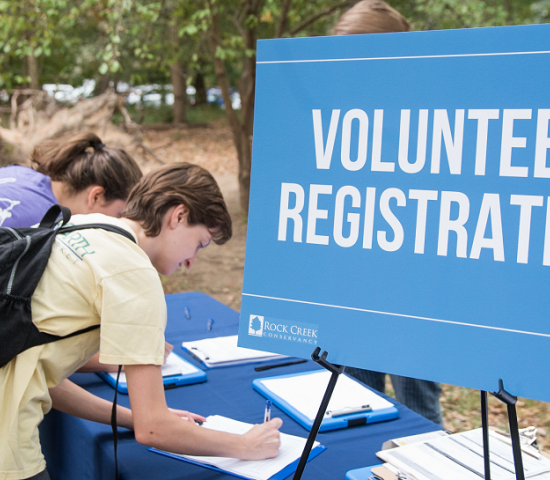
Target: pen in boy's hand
(267,416)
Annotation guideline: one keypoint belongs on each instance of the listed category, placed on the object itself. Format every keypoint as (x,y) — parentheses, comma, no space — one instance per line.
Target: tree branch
(324,13)
(283,19)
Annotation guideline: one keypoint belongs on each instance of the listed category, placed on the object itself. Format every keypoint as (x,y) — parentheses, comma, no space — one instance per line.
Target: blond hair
(371,16)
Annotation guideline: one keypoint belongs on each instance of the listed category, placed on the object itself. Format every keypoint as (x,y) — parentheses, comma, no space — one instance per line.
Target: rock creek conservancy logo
(256,325)
(285,330)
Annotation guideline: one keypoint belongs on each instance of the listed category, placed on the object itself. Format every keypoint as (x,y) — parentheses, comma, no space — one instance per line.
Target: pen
(209,324)
(267,416)
(347,411)
(187,312)
(276,365)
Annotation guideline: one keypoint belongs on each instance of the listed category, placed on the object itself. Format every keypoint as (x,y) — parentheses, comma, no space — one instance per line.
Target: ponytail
(83,160)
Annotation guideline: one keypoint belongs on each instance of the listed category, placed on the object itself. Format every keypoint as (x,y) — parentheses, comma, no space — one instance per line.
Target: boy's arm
(155,425)
(69,398)
(94,365)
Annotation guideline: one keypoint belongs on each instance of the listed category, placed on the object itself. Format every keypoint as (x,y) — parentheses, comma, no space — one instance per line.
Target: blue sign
(400,205)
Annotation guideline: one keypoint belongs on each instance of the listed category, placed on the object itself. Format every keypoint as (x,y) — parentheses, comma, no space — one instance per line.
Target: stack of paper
(279,467)
(460,457)
(223,351)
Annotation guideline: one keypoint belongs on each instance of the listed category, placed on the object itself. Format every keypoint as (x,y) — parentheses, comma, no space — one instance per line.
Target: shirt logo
(5,213)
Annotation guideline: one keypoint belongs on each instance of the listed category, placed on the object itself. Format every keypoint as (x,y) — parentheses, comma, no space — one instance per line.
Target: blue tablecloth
(79,449)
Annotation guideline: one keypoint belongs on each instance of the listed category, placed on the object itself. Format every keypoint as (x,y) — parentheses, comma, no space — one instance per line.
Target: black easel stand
(510,402)
(336,370)
(485,425)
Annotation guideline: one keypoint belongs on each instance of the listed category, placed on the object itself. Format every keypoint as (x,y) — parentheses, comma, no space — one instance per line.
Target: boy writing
(99,277)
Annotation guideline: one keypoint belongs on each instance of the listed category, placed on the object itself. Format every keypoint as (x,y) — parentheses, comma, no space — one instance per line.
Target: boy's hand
(167,350)
(262,440)
(185,415)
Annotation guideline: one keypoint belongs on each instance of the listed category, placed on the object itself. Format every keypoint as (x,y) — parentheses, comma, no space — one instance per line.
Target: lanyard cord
(114,422)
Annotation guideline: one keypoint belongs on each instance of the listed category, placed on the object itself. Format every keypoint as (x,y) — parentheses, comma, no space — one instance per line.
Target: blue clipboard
(360,473)
(335,423)
(195,375)
(281,475)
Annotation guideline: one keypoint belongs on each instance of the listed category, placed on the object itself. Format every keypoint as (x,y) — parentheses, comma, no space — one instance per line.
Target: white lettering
(452,147)
(359,163)
(546,257)
(542,145)
(286,213)
(393,222)
(489,207)
(314,214)
(403,156)
(421,215)
(369,217)
(526,203)
(446,224)
(482,116)
(509,142)
(377,164)
(353,218)
(323,155)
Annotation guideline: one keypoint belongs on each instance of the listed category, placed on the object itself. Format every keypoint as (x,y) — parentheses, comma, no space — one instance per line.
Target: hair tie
(98,147)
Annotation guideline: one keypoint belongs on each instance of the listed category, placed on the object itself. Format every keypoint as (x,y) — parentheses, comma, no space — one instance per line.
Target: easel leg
(510,402)
(485,425)
(336,370)
(516,445)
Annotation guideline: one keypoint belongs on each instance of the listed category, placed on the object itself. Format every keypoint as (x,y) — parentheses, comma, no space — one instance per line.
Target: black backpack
(24,254)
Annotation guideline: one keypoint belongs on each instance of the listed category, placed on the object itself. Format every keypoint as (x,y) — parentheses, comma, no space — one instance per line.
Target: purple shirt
(25,196)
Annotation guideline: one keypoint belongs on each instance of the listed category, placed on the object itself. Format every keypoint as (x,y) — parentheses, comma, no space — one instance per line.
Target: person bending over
(173,213)
(78,172)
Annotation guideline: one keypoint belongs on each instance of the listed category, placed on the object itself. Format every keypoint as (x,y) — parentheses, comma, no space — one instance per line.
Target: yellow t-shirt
(93,276)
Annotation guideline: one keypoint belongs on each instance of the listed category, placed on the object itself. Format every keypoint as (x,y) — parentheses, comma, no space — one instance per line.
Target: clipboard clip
(347,411)
(200,354)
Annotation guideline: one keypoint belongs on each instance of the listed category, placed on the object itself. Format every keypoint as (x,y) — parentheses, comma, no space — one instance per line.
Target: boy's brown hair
(82,160)
(371,16)
(179,184)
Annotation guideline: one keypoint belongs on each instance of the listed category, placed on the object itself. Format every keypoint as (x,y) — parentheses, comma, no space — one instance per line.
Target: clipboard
(223,351)
(364,473)
(277,468)
(300,402)
(281,475)
(188,374)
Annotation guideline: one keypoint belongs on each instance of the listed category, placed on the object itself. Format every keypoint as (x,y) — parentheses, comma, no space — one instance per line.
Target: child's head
(82,161)
(179,184)
(371,16)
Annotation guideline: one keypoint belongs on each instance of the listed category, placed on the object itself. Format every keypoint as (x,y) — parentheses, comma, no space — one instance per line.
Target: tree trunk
(180,94)
(200,89)
(32,66)
(102,84)
(242,130)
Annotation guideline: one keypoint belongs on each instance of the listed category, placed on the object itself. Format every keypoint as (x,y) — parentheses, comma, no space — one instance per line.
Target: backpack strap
(103,226)
(48,337)
(51,216)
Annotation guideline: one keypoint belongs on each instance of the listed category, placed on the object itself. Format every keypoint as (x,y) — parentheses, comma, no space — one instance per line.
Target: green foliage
(137,40)
(443,14)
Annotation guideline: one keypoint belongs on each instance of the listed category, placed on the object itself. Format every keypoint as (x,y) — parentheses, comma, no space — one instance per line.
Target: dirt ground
(218,270)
